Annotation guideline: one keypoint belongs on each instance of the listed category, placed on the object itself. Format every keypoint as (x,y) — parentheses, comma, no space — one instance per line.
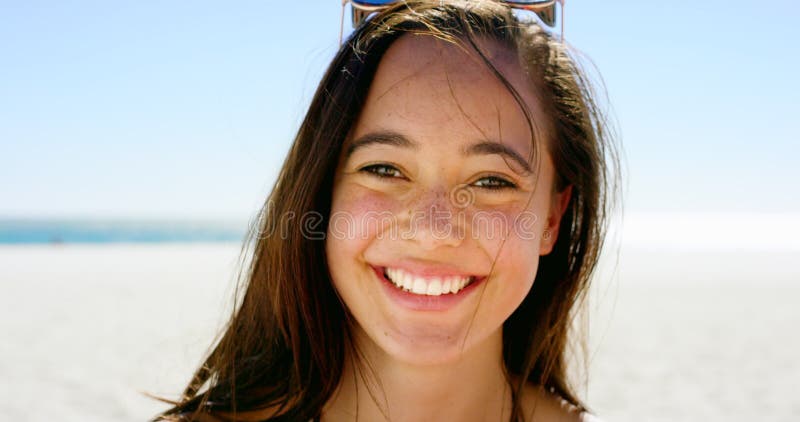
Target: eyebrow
(380,138)
(494,147)
(485,147)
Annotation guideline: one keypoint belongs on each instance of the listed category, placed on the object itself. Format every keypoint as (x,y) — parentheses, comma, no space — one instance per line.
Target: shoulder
(539,404)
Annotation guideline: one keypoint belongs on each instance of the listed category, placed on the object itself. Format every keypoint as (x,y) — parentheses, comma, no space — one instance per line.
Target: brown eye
(494,183)
(382,171)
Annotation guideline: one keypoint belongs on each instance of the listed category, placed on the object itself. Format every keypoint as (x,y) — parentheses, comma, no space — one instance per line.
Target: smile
(429,286)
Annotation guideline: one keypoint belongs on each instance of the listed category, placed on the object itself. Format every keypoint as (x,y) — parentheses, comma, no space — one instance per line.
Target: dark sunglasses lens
(374,2)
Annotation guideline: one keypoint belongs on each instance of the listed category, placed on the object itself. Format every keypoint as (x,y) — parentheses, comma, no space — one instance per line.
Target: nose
(434,221)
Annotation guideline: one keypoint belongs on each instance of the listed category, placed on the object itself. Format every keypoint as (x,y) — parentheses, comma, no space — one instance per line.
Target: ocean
(57,231)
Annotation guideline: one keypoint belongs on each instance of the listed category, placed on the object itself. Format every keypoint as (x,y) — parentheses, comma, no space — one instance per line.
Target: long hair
(281,355)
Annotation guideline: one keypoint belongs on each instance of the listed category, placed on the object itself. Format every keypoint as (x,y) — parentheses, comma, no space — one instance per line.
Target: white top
(588,417)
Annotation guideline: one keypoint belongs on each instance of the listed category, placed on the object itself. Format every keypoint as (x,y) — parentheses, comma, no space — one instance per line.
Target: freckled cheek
(493,225)
(360,216)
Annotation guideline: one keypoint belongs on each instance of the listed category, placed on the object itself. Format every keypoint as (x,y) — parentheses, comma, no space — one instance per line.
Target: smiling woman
(436,102)
(463,175)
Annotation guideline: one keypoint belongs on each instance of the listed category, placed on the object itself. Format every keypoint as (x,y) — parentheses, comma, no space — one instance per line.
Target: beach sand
(675,336)
(91,326)
(697,336)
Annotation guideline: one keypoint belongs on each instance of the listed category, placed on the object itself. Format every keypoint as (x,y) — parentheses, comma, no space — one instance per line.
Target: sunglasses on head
(544,9)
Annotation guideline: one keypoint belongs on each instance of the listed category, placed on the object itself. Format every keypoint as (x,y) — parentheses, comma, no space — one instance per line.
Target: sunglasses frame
(545,10)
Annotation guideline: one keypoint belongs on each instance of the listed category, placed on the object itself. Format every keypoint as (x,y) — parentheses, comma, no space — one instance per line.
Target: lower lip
(425,302)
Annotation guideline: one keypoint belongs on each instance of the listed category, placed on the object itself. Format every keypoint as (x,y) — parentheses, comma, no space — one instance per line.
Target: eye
(494,183)
(382,171)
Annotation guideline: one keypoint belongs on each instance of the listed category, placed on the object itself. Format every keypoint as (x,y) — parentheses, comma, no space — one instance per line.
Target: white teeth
(435,286)
(406,281)
(420,287)
(452,284)
(390,274)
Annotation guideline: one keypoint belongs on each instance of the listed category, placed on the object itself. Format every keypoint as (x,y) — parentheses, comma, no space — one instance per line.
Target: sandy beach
(675,336)
(697,336)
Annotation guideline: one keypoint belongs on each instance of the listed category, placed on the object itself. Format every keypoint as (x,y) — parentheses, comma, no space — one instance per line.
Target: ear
(558,205)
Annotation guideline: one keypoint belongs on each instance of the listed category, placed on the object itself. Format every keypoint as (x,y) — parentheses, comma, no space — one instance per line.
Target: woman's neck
(472,388)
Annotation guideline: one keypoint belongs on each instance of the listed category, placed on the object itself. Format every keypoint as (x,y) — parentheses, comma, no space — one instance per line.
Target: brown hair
(281,354)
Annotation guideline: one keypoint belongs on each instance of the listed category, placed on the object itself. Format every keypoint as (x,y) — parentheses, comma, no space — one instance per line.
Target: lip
(417,302)
(427,271)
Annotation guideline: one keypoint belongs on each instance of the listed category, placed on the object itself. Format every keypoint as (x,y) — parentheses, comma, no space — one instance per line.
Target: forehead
(436,90)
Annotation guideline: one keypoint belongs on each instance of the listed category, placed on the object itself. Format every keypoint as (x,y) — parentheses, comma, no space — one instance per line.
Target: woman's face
(431,193)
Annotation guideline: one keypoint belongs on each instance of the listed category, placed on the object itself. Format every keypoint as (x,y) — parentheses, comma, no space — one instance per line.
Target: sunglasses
(544,9)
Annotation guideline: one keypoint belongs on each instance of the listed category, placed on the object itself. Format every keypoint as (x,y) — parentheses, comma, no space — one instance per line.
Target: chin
(427,354)
(426,345)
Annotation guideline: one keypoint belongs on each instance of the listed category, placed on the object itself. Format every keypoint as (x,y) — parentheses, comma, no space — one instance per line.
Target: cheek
(512,242)
(358,200)
(519,260)
(506,230)
(513,275)
(358,215)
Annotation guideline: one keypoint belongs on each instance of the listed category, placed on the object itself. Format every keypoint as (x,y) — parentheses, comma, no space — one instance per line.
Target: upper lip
(428,270)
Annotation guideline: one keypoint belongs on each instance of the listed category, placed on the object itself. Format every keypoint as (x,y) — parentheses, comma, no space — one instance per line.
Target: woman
(430,236)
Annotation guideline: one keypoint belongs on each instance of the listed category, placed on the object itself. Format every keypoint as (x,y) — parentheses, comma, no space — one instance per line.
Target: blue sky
(186,109)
